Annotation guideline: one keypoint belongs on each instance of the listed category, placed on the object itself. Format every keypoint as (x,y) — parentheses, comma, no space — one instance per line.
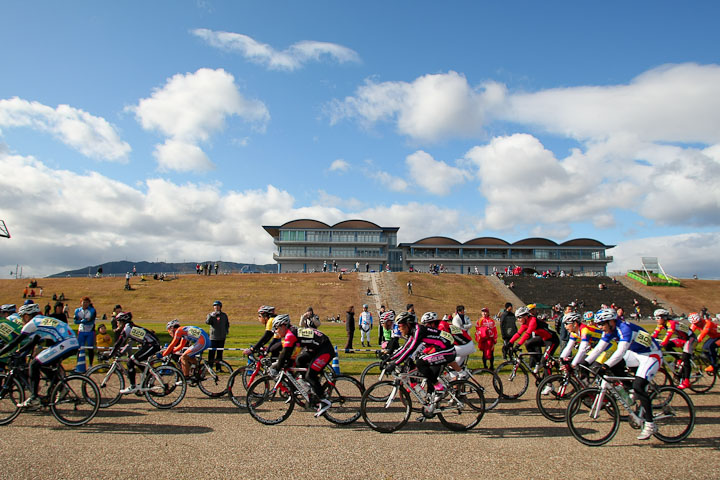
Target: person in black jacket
(508,328)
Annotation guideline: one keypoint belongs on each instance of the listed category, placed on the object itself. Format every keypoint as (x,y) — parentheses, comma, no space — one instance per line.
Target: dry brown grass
(692,295)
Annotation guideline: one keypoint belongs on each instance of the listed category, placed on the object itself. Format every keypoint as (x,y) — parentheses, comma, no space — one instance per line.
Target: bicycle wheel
(462,407)
(673,413)
(554,394)
(236,388)
(590,423)
(109,382)
(700,380)
(74,400)
(514,382)
(345,393)
(662,377)
(491,385)
(164,387)
(213,381)
(250,374)
(269,403)
(386,407)
(372,374)
(11,393)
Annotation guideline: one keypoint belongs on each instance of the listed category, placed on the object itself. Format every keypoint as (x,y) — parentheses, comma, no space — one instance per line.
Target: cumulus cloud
(339,165)
(189,109)
(431,108)
(681,255)
(90,135)
(292,58)
(437,177)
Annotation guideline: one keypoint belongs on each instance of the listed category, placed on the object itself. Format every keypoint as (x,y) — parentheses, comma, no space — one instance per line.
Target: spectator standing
(350,328)
(134,271)
(216,268)
(409,287)
(508,327)
(381,334)
(47,310)
(309,319)
(367,267)
(59,312)
(219,328)
(85,319)
(114,325)
(486,338)
(365,322)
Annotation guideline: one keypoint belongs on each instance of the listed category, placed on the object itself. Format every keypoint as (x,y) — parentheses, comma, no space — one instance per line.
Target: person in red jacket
(486,337)
(536,335)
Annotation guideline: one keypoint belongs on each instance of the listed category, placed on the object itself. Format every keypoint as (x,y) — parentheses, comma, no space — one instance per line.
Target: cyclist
(431,348)
(266,315)
(9,330)
(684,338)
(60,338)
(8,310)
(535,334)
(390,333)
(582,334)
(636,349)
(195,337)
(317,350)
(707,329)
(129,333)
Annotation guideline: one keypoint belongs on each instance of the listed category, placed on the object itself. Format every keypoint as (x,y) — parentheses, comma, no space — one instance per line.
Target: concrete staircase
(385,291)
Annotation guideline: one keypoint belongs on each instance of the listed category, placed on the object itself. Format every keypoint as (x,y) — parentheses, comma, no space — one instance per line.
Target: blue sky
(174,130)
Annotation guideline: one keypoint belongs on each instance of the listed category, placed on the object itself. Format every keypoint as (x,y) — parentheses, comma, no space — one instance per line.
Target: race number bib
(305,332)
(644,339)
(49,322)
(447,336)
(138,333)
(455,330)
(195,332)
(6,331)
(682,328)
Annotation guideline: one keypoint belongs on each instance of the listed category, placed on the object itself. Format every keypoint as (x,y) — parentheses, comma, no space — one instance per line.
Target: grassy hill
(692,295)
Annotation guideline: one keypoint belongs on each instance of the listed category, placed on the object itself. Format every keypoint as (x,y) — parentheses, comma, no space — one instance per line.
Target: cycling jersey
(425,338)
(15,317)
(629,337)
(313,343)
(706,328)
(57,334)
(188,335)
(530,328)
(134,333)
(585,338)
(674,327)
(8,330)
(48,328)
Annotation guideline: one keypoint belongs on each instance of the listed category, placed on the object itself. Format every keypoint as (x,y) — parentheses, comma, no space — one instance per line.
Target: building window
(369,252)
(496,253)
(448,253)
(318,236)
(318,251)
(343,252)
(292,251)
(292,235)
(342,236)
(368,237)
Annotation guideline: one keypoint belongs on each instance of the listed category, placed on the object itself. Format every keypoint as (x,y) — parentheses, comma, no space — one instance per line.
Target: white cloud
(292,58)
(435,176)
(431,108)
(681,255)
(190,108)
(396,184)
(181,156)
(90,135)
(339,165)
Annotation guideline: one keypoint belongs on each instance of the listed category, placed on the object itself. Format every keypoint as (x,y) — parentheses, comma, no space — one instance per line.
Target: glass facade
(292,235)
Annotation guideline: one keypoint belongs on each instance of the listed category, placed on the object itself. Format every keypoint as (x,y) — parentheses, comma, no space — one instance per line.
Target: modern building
(306,245)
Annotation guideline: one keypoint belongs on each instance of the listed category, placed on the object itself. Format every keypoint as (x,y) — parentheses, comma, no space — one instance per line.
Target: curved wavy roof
(305,223)
(536,242)
(437,241)
(486,241)
(363,224)
(583,242)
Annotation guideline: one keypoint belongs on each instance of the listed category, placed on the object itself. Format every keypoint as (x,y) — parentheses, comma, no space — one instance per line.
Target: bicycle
(163,386)
(700,380)
(387,405)
(72,399)
(272,398)
(375,371)
(593,415)
(514,374)
(243,377)
(555,391)
(211,382)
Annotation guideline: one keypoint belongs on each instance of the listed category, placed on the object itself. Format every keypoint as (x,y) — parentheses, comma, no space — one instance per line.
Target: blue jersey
(640,340)
(48,328)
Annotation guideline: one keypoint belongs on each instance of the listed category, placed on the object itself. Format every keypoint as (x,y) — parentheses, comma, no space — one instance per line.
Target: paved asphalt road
(211,438)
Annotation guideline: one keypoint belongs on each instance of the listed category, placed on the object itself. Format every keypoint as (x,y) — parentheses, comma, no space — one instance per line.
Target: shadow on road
(139,428)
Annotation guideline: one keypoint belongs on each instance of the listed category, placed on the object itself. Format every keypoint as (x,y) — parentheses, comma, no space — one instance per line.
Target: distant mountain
(122,267)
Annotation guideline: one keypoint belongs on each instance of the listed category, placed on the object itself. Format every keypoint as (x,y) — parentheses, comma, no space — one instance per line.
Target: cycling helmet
(571,317)
(280,320)
(588,316)
(388,316)
(126,317)
(428,317)
(694,317)
(661,312)
(267,309)
(29,309)
(605,315)
(405,317)
(218,303)
(8,308)
(172,323)
(522,311)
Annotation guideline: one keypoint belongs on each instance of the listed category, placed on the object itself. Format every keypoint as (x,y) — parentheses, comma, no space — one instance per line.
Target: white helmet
(280,320)
(172,323)
(522,311)
(428,317)
(29,309)
(661,312)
